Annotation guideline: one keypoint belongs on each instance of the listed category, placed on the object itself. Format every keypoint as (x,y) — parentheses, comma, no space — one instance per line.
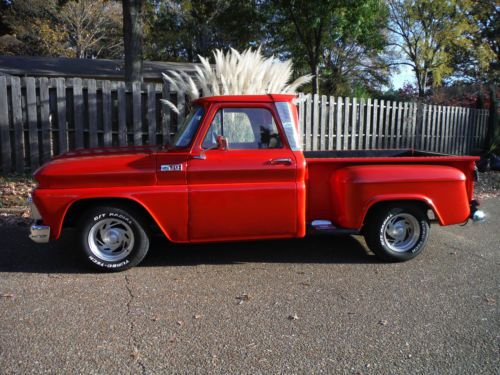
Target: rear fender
(355,189)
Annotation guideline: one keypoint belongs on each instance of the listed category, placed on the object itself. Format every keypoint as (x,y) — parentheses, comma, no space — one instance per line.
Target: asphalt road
(321,305)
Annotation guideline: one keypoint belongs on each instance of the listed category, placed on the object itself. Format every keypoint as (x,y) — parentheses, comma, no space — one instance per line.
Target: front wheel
(397,233)
(113,239)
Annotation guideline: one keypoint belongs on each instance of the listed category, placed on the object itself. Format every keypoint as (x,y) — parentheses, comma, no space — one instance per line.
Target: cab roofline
(266,98)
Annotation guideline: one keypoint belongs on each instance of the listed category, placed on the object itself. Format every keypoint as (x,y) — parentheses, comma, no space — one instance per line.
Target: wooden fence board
(17,122)
(375,124)
(323,123)
(4,127)
(45,118)
(106,113)
(166,115)
(345,133)
(92,111)
(331,110)
(62,127)
(354,122)
(368,123)
(393,124)
(32,117)
(338,135)
(381,124)
(122,114)
(361,127)
(308,124)
(78,108)
(151,114)
(315,122)
(136,113)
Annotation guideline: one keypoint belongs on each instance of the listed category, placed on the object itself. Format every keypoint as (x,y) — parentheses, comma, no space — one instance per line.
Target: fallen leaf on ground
(135,354)
(243,297)
(490,300)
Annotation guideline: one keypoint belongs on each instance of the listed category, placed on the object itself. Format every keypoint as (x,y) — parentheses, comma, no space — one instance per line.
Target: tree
(133,37)
(355,59)
(426,32)
(179,30)
(93,27)
(478,61)
(33,28)
(323,34)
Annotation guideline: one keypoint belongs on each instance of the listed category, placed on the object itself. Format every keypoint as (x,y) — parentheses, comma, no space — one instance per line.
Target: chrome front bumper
(39,233)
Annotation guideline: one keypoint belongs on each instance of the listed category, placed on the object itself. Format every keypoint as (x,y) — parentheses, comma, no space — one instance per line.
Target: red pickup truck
(235,171)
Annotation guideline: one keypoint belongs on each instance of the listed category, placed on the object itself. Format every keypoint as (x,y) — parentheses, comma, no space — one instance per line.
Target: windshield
(187,130)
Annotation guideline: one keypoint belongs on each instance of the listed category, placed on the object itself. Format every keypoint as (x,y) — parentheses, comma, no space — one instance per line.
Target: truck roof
(267,98)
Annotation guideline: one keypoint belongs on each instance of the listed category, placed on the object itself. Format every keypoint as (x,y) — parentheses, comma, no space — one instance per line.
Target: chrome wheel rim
(401,232)
(111,240)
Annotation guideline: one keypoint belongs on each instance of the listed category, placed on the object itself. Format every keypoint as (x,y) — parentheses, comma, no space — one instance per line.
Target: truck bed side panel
(343,197)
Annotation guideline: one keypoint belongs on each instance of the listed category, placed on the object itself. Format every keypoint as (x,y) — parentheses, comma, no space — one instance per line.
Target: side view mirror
(222,145)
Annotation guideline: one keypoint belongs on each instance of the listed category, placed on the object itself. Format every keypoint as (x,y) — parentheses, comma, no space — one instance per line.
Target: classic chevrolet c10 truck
(236,171)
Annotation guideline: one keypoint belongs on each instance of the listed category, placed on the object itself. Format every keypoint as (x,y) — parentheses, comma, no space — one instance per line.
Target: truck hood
(100,167)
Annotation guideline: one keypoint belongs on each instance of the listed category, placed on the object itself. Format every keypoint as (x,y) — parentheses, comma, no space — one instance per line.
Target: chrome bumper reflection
(40,233)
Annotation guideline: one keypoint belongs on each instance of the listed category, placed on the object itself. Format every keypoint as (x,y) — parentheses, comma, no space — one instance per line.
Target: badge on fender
(170,167)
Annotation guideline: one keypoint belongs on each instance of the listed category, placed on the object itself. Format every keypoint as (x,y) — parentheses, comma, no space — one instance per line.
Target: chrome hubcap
(401,232)
(111,240)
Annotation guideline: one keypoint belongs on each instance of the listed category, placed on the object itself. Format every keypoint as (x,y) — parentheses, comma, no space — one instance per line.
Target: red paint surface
(239,194)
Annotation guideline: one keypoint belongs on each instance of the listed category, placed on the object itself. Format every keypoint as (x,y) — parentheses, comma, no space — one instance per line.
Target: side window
(244,128)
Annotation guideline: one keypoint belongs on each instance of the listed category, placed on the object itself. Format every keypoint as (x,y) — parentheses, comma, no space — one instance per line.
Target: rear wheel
(113,239)
(397,233)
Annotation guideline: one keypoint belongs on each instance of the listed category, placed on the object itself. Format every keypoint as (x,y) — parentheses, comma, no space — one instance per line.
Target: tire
(397,233)
(113,239)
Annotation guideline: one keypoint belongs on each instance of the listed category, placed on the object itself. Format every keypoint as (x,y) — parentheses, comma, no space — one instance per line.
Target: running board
(326,227)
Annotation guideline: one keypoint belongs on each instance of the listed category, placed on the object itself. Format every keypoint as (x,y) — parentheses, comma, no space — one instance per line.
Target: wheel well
(79,207)
(420,204)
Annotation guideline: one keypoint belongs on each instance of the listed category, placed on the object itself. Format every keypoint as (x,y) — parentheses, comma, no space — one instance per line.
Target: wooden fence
(330,123)
(41,117)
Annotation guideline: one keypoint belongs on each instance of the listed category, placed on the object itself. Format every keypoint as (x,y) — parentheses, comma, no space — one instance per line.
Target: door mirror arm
(222,145)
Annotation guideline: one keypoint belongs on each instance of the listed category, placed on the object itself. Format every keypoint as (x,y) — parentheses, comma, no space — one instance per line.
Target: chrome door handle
(281,161)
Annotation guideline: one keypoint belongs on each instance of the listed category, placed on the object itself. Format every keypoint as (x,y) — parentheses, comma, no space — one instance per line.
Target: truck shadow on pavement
(19,254)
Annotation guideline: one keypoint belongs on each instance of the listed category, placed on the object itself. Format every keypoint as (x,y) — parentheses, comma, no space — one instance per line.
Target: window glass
(188,128)
(244,128)
(285,114)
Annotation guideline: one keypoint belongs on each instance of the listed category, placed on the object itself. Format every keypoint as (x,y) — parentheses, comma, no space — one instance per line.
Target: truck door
(248,191)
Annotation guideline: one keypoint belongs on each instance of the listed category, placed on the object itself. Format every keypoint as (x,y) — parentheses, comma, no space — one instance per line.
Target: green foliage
(427,32)
(179,30)
(337,41)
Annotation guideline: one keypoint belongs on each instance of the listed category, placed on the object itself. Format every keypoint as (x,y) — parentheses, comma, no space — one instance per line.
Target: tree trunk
(133,34)
(492,120)
(315,80)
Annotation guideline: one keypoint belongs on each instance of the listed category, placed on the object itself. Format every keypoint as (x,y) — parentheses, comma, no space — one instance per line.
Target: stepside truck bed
(339,180)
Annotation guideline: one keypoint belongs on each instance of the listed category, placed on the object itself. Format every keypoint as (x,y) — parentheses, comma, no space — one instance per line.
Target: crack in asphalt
(133,339)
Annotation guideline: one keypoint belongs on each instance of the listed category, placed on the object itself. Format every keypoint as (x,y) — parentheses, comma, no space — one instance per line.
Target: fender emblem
(170,167)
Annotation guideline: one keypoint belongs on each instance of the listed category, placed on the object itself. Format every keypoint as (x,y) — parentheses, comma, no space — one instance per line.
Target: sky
(405,75)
